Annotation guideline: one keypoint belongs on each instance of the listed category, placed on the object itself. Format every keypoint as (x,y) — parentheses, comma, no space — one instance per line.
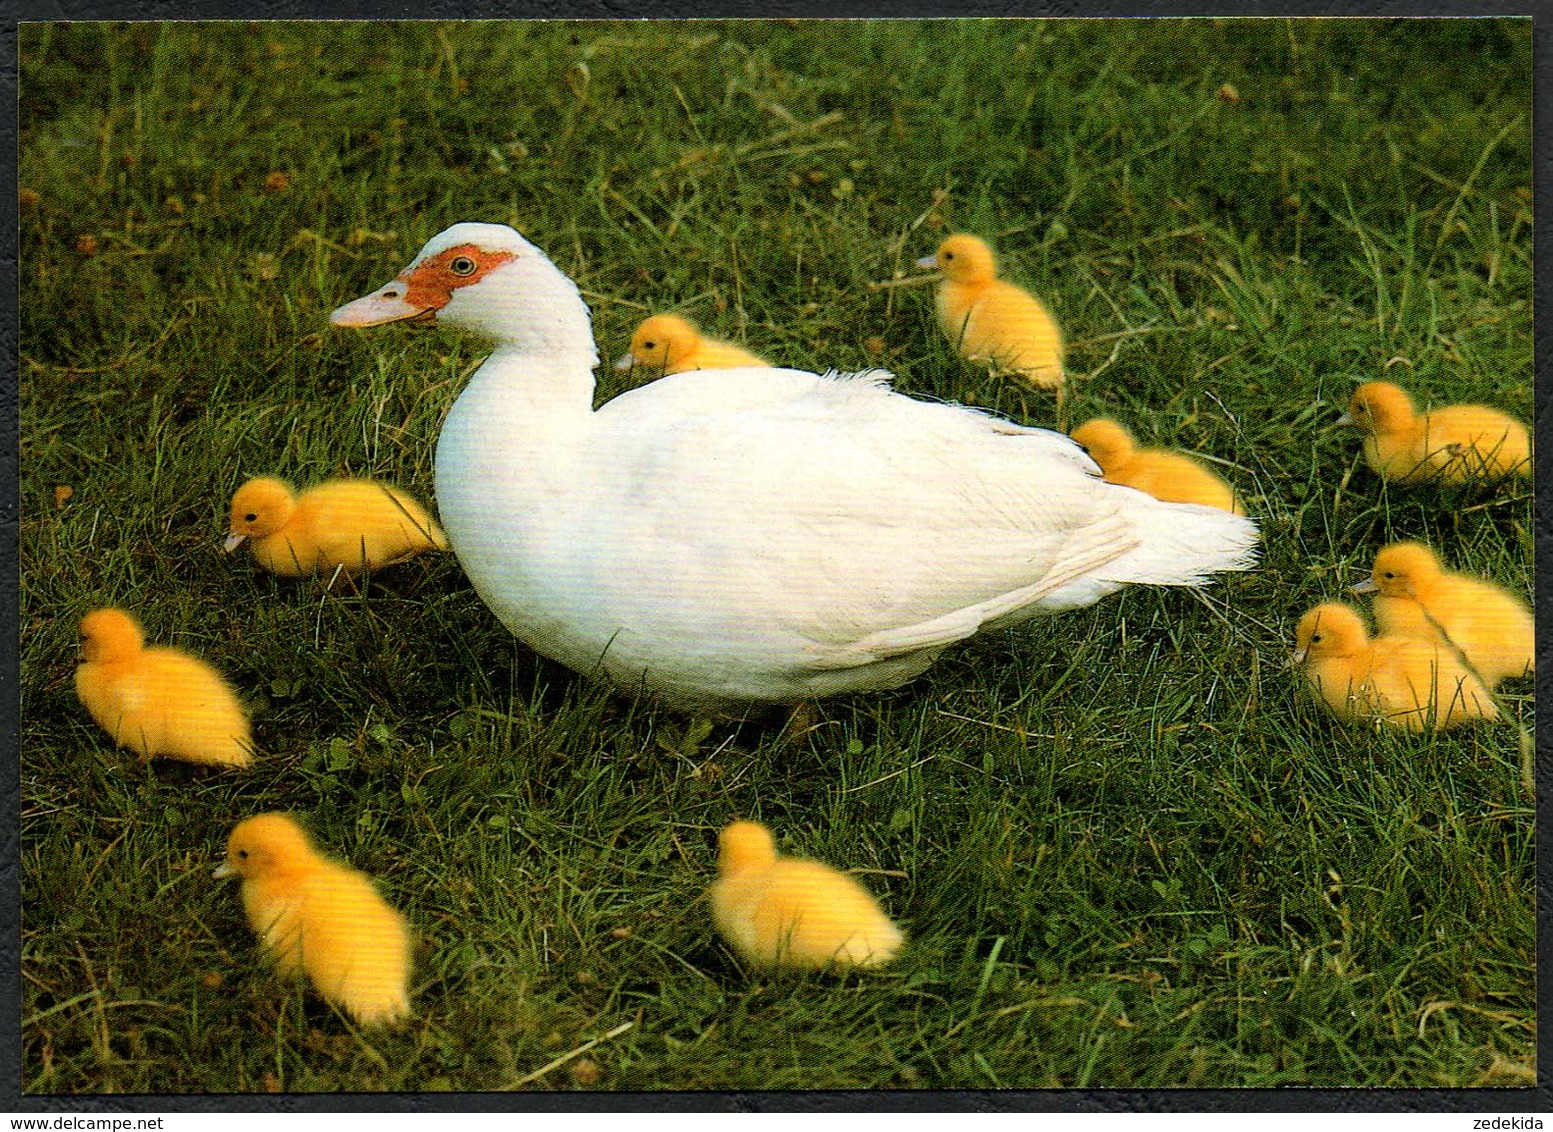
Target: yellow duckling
(672,344)
(785,912)
(158,701)
(1174,477)
(1455,444)
(1404,681)
(990,321)
(1416,596)
(351,525)
(321,917)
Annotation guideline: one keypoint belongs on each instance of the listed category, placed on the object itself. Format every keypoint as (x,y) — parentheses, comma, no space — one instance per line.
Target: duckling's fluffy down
(787,912)
(1401,681)
(1454,444)
(1416,596)
(674,344)
(322,918)
(351,525)
(991,321)
(157,700)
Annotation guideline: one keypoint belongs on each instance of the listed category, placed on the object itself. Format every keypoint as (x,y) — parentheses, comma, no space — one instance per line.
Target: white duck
(722,537)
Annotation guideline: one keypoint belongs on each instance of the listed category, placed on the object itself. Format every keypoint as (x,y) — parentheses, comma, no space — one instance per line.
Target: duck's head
(265,845)
(260,508)
(108,635)
(1403,569)
(1379,406)
(1107,442)
(963,258)
(482,277)
(1330,629)
(744,845)
(660,342)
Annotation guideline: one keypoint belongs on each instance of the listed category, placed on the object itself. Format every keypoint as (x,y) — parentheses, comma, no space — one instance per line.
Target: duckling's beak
(928,261)
(627,360)
(232,542)
(1367,586)
(386,304)
(223,870)
(1297,658)
(1346,419)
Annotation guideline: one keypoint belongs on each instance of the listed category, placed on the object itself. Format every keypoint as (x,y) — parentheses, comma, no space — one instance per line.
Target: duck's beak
(1296,658)
(232,542)
(223,870)
(1346,419)
(627,360)
(386,304)
(929,261)
(1367,586)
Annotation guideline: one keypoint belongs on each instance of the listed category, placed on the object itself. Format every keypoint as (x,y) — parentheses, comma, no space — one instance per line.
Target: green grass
(1127,850)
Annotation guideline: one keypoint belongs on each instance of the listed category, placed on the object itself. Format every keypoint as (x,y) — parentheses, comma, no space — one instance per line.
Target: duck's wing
(870,523)
(1106,545)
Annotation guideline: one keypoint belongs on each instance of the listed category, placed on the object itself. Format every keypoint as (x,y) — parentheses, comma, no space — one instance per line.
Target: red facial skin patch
(430,285)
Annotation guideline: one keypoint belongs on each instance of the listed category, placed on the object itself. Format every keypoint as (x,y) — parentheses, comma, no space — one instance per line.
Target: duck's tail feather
(1182,544)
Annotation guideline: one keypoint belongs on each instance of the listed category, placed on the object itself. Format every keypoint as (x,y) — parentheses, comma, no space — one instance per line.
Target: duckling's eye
(462,265)
(251,517)
(243,853)
(649,345)
(1390,574)
(1314,637)
(949,255)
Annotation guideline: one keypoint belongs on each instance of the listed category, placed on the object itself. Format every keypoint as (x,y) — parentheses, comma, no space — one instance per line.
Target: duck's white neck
(525,413)
(509,457)
(548,386)
(542,327)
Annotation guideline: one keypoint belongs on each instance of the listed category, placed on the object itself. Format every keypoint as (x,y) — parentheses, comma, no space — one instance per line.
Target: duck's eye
(243,853)
(251,517)
(949,255)
(649,345)
(462,265)
(1390,574)
(1315,637)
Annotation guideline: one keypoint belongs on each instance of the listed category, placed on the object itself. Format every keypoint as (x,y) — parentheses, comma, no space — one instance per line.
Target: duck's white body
(726,536)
